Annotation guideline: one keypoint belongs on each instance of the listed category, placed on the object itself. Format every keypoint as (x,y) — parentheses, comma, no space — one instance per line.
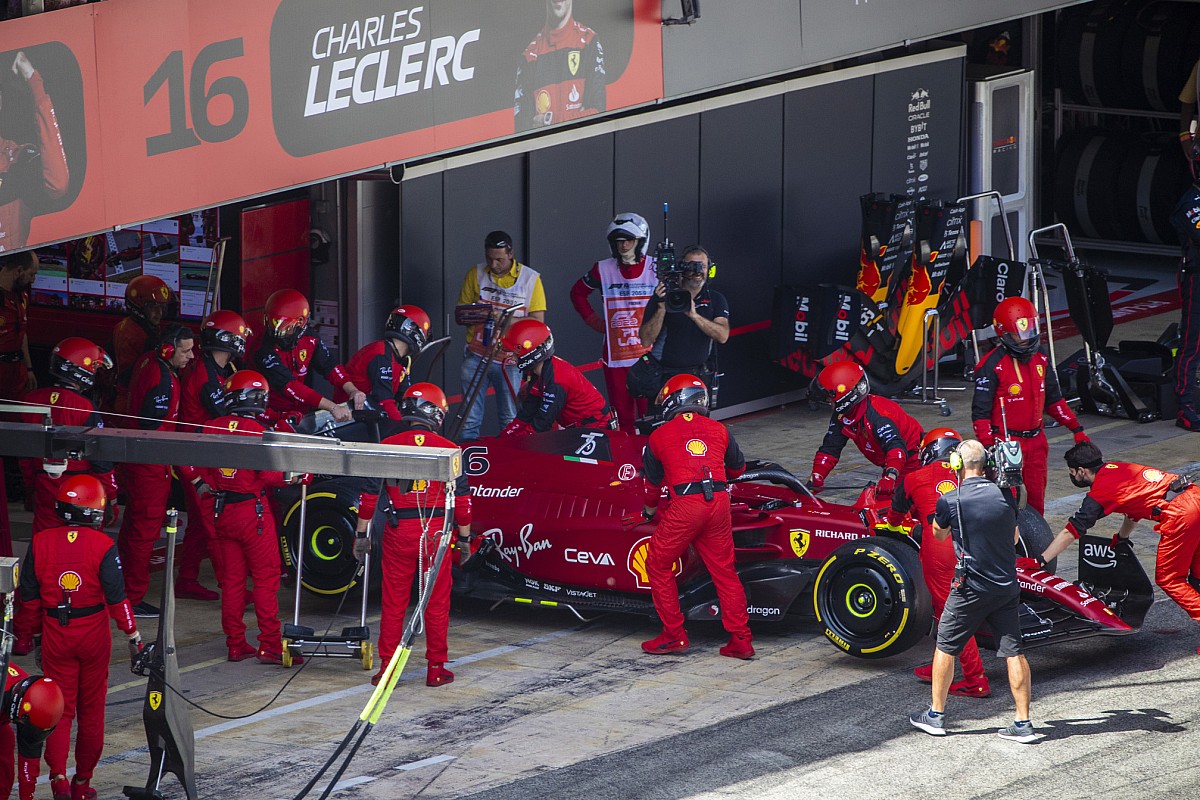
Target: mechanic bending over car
(693,456)
(918,494)
(884,432)
(414,522)
(985,588)
(554,394)
(1139,492)
(381,369)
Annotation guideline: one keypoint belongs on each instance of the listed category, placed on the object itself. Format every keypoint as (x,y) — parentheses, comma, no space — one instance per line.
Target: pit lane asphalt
(546,707)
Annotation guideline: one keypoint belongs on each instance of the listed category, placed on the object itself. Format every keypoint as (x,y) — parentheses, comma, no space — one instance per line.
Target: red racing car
(559,515)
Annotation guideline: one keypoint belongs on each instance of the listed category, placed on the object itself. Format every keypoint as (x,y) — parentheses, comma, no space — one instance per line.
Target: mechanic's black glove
(362,546)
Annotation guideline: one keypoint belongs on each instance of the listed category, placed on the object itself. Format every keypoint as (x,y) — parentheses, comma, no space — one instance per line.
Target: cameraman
(985,588)
(682,339)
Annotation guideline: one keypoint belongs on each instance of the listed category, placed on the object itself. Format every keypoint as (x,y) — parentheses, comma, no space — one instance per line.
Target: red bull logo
(869,276)
(919,285)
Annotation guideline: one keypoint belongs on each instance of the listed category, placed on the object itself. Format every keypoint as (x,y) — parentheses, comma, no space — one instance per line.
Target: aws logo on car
(635,562)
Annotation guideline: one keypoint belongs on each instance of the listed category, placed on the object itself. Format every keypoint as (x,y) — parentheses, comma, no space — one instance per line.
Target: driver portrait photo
(562,75)
(33,161)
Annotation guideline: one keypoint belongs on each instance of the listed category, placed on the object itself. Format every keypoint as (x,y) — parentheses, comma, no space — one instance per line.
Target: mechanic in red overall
(74,364)
(154,397)
(626,281)
(70,575)
(415,518)
(1139,492)
(554,394)
(17,273)
(245,526)
(20,161)
(287,351)
(562,76)
(692,456)
(883,431)
(917,496)
(146,301)
(381,369)
(1019,374)
(223,336)
(35,705)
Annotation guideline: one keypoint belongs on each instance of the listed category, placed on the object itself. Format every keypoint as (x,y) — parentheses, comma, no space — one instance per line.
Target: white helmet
(628,226)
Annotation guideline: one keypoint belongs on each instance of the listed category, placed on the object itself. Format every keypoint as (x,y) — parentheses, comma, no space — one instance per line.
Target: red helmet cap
(81,500)
(1016,324)
(682,393)
(246,392)
(845,385)
(225,331)
(937,444)
(425,403)
(38,701)
(77,360)
(146,289)
(285,316)
(530,341)
(409,324)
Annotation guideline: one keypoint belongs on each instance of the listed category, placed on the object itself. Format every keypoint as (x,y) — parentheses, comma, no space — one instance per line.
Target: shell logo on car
(636,562)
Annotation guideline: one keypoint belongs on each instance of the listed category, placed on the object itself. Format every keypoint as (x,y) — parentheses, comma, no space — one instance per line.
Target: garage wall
(769,185)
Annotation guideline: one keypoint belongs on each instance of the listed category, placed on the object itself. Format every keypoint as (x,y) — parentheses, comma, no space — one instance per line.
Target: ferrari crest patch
(155,699)
(573,61)
(419,439)
(72,536)
(54,398)
(800,540)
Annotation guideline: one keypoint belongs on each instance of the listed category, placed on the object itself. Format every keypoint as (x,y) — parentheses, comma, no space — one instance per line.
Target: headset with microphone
(172,336)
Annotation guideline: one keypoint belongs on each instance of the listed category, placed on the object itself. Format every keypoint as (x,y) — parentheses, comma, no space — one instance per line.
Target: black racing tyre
(871,598)
(329,565)
(1035,536)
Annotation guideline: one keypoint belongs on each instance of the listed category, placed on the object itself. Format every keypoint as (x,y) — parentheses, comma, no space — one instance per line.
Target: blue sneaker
(934,725)
(1018,732)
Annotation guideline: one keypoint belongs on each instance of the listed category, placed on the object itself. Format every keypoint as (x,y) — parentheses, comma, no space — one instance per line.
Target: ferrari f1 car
(559,514)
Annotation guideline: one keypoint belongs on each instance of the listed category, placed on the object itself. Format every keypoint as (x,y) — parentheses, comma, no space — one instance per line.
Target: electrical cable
(269,703)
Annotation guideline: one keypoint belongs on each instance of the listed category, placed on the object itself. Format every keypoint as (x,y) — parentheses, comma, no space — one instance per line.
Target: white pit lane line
(366,688)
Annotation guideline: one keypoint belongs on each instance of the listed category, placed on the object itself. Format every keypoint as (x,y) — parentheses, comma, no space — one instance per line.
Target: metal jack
(1008,240)
(927,394)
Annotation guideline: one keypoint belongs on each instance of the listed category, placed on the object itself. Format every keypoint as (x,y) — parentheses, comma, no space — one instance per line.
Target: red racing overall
(14,325)
(882,430)
(132,338)
(202,392)
(561,78)
(560,397)
(154,398)
(1029,387)
(247,544)
(286,371)
(410,539)
(76,565)
(376,372)
(693,456)
(917,495)
(1140,492)
(55,175)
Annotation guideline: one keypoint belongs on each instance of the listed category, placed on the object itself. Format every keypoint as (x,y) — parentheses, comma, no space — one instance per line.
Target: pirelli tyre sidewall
(1035,536)
(329,564)
(871,599)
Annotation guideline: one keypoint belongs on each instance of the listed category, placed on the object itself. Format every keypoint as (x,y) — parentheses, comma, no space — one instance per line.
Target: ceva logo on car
(584,557)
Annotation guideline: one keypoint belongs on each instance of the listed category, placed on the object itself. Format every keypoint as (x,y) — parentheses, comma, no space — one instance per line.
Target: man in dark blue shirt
(985,589)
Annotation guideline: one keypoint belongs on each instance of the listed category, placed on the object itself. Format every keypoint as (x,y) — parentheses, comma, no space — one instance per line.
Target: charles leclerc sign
(157,107)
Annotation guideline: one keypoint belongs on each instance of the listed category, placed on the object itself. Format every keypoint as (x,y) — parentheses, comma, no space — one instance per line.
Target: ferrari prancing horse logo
(155,699)
(573,61)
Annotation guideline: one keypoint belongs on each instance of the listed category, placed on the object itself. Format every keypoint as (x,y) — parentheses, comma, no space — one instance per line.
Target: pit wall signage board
(145,109)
